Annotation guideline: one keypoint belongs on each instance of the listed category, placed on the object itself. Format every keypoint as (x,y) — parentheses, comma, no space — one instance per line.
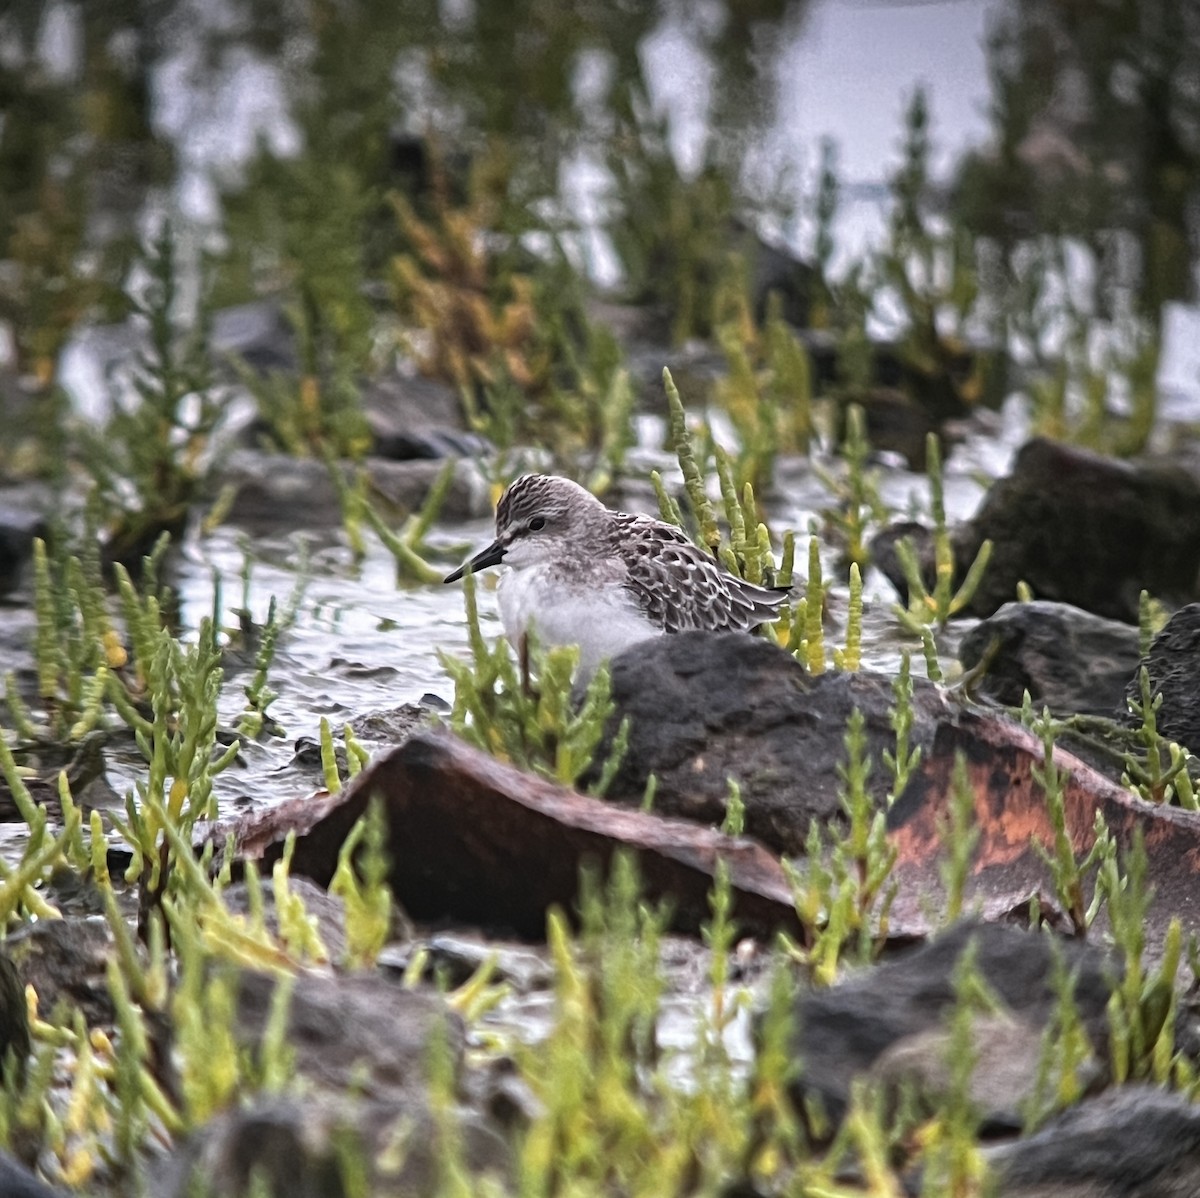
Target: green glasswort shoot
(259,694)
(857,501)
(953,1162)
(1156,780)
(904,761)
(867,856)
(407,545)
(360,881)
(1066,1050)
(329,765)
(959,833)
(1068,873)
(850,657)
(693,476)
(926,607)
(1141,1010)
(178,742)
(75,647)
(840,890)
(806,641)
(929,650)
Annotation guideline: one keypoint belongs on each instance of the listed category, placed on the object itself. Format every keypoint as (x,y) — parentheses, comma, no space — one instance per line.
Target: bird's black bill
(493,555)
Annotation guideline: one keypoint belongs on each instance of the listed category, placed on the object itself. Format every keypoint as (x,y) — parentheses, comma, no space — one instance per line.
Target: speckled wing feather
(680,587)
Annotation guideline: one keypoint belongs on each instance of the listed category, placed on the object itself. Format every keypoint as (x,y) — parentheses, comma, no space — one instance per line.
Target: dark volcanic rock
(706,707)
(18,528)
(258,333)
(17,1182)
(1131,1142)
(362,1031)
(1079,528)
(1173,664)
(1067,659)
(418,418)
(277,493)
(900,1008)
(314,1147)
(66,959)
(362,1044)
(326,911)
(14,1018)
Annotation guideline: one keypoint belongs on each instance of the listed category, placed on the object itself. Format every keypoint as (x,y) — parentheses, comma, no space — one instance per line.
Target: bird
(580,573)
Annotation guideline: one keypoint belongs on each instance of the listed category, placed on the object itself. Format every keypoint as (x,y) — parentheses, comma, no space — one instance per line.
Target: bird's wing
(680,587)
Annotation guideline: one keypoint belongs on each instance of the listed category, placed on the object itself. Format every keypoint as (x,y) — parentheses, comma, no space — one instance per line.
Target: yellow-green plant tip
(329,767)
(693,478)
(814,610)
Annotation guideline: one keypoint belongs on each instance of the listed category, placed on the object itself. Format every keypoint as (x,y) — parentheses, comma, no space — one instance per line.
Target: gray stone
(362,1047)
(66,960)
(1131,1142)
(258,333)
(414,417)
(1173,664)
(358,1031)
(326,910)
(1067,659)
(313,1148)
(19,526)
(844,1032)
(706,707)
(1079,528)
(17,1182)
(276,493)
(1007,1054)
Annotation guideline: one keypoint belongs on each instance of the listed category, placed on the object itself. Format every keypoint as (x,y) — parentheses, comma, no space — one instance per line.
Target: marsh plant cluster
(89,1101)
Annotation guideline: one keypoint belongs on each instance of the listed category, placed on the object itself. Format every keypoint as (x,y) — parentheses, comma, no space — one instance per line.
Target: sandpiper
(582,574)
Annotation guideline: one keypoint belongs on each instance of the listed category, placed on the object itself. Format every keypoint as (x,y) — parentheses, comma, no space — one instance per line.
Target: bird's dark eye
(537,524)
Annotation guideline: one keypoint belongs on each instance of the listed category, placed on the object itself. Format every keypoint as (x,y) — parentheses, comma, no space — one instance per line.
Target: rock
(844,1032)
(705,707)
(82,761)
(14,1021)
(359,1031)
(484,843)
(897,424)
(66,959)
(418,418)
(326,911)
(776,270)
(278,494)
(1173,664)
(1079,528)
(19,526)
(1067,659)
(1131,1142)
(259,334)
(17,1182)
(457,958)
(362,1047)
(1007,1052)
(316,1147)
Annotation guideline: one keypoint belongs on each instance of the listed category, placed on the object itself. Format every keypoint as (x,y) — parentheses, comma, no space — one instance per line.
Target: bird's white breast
(602,620)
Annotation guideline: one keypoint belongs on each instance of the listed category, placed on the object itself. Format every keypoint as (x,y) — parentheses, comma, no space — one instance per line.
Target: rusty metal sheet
(1011,815)
(473,839)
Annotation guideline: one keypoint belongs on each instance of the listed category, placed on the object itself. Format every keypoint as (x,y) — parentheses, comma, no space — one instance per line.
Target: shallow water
(361,643)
